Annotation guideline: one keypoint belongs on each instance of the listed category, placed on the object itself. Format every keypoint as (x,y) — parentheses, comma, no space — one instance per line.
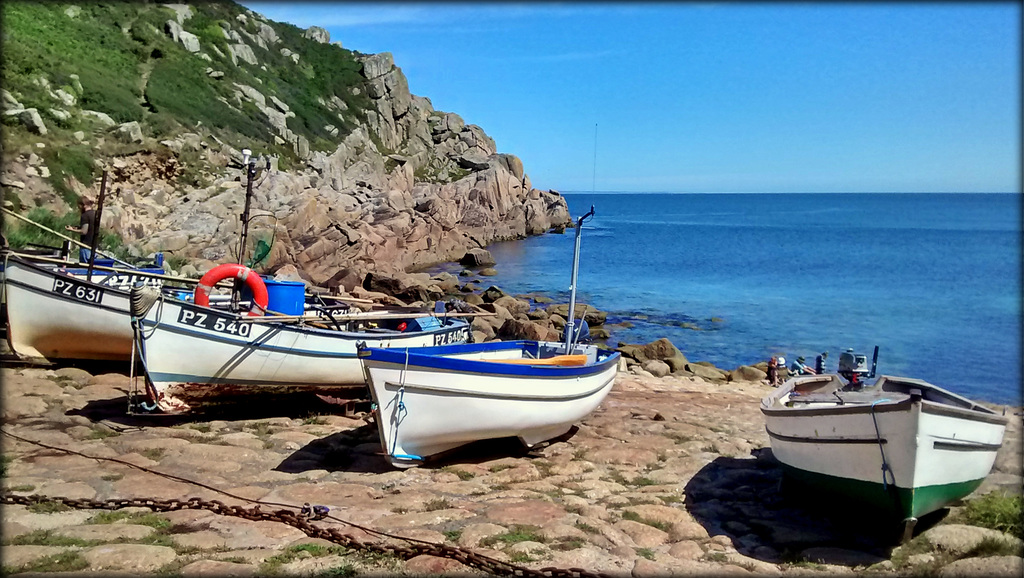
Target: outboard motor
(854,366)
(582,332)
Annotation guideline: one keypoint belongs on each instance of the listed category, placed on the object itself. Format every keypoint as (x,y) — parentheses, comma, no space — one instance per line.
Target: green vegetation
(23,488)
(452,535)
(462,474)
(63,562)
(4,460)
(587,528)
(642,481)
(629,515)
(101,434)
(437,504)
(20,234)
(141,518)
(48,507)
(645,553)
(518,533)
(67,162)
(260,429)
(716,557)
(994,547)
(152,453)
(42,41)
(389,562)
(997,511)
(117,58)
(569,544)
(47,538)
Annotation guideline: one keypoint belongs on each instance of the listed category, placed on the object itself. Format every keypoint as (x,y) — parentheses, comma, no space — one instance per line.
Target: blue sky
(707,97)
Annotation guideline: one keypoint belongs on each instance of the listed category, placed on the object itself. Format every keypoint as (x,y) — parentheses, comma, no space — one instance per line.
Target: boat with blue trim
(899,447)
(433,399)
(58,309)
(189,347)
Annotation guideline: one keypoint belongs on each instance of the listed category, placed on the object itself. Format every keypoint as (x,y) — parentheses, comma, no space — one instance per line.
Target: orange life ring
(201,296)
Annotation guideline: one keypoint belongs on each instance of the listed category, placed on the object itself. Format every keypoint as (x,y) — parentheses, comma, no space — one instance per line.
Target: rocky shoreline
(671,475)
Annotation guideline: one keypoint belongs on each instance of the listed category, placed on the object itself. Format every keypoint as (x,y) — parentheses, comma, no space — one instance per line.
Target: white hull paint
(423,411)
(54,315)
(188,343)
(930,438)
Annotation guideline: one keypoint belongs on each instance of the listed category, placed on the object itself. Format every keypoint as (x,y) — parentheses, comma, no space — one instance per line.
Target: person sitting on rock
(801,368)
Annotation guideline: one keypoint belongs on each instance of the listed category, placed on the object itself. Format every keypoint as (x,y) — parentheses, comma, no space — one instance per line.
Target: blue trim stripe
(435,358)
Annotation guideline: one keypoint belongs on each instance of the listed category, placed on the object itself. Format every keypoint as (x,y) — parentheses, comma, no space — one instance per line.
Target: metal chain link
(335,535)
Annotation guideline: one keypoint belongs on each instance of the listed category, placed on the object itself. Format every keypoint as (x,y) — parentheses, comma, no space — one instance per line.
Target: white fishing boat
(191,346)
(900,446)
(56,311)
(433,399)
(429,400)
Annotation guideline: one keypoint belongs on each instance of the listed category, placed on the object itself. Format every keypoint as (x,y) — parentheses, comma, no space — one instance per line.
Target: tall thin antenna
(593,182)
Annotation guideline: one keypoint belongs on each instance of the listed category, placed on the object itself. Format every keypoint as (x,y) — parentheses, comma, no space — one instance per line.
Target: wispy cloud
(327,15)
(439,15)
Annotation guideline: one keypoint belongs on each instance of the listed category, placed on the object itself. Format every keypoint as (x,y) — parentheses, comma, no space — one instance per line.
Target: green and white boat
(899,446)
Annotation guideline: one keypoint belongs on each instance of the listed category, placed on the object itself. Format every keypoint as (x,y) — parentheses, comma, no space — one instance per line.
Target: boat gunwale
(975,412)
(971,414)
(405,357)
(65,299)
(176,326)
(55,273)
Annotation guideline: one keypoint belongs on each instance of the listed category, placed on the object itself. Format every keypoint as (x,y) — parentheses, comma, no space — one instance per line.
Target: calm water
(933,279)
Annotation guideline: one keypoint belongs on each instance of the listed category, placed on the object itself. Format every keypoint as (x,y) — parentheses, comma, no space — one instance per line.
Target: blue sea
(933,279)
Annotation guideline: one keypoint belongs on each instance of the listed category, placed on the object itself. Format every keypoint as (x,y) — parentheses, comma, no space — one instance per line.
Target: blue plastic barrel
(288,297)
(424,324)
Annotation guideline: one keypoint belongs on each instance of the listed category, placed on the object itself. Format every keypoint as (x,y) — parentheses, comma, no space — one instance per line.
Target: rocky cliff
(365,176)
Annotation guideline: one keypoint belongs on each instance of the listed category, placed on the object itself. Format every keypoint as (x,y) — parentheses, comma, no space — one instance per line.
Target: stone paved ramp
(670,476)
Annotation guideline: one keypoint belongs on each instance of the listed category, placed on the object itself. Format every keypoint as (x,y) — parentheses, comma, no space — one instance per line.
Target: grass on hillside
(130,69)
(42,41)
(20,234)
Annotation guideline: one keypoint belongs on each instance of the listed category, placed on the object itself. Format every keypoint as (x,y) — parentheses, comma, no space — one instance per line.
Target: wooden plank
(562,361)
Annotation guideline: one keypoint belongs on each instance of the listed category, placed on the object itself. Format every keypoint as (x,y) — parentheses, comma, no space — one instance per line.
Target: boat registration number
(77,291)
(214,322)
(452,336)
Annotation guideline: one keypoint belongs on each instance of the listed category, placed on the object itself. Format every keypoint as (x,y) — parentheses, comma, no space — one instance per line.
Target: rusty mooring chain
(290,517)
(335,535)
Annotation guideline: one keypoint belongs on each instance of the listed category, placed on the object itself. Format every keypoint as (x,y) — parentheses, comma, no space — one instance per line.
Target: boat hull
(428,404)
(903,455)
(53,315)
(190,344)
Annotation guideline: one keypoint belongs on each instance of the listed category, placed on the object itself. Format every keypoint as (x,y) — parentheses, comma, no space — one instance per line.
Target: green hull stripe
(895,501)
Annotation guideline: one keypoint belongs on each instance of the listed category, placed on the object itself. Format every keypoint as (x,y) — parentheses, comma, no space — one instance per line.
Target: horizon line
(578,192)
